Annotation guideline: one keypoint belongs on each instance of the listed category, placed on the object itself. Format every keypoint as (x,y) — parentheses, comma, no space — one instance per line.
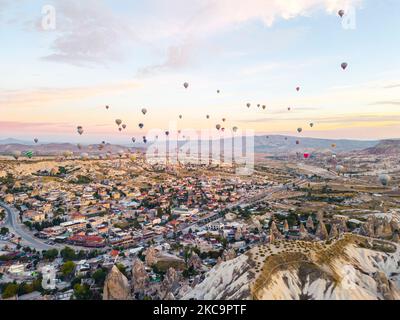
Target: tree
(68,254)
(82,292)
(10,290)
(67,268)
(50,254)
(4,231)
(99,276)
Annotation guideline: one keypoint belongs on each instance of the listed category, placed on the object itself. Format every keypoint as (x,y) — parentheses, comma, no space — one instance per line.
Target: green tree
(10,290)
(50,254)
(99,276)
(4,231)
(68,254)
(67,268)
(82,292)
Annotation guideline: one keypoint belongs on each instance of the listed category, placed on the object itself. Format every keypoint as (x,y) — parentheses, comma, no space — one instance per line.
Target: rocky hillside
(385,147)
(350,268)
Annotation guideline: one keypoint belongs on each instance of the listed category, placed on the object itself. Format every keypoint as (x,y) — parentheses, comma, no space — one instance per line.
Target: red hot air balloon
(306,155)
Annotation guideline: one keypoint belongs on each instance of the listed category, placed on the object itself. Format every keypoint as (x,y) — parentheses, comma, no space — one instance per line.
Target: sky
(137,54)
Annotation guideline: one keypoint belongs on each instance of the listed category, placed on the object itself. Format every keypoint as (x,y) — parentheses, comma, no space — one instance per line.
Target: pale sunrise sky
(135,54)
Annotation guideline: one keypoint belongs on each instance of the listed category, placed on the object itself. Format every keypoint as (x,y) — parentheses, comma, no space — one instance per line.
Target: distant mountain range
(273,144)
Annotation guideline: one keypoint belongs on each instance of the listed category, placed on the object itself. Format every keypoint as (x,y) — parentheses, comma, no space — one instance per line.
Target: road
(19,230)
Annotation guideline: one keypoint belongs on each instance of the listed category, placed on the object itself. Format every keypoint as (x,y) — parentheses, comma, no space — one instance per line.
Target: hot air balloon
(133,140)
(118,122)
(218,91)
(207,116)
(107,107)
(339,168)
(179,131)
(344,65)
(16,154)
(306,155)
(124,126)
(141,125)
(341,13)
(297,89)
(235,129)
(311,124)
(120,129)
(79,146)
(29,154)
(144,111)
(218,126)
(248,105)
(333,145)
(223,119)
(167,133)
(186,85)
(299,130)
(384,179)
(289,108)
(36,140)
(80,130)
(297,142)
(180,116)
(223,129)
(258,105)
(264,106)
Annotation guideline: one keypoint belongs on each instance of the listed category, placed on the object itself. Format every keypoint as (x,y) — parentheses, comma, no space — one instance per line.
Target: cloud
(390,103)
(50,96)
(88,33)
(343,119)
(392,86)
(92,32)
(18,126)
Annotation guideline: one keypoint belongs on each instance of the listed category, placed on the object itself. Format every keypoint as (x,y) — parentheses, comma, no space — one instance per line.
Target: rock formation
(116,286)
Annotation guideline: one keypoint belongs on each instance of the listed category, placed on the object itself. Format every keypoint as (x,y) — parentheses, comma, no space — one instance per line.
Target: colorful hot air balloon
(235,129)
(107,107)
(264,106)
(118,122)
(299,130)
(36,140)
(341,13)
(186,85)
(124,126)
(167,133)
(306,155)
(141,125)
(248,105)
(297,89)
(80,130)
(218,126)
(29,154)
(344,65)
(144,111)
